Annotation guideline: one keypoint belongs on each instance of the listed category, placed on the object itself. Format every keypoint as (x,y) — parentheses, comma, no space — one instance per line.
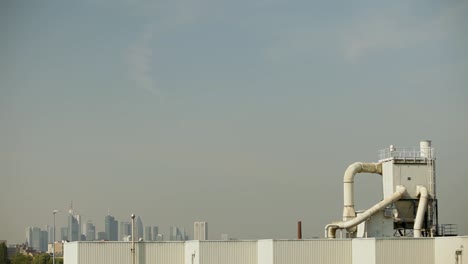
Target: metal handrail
(407,153)
(448,230)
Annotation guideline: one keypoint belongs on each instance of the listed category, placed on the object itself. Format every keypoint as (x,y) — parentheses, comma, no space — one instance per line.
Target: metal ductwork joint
(330,229)
(348,185)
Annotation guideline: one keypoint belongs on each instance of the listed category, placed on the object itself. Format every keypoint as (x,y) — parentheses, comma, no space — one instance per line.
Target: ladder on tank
(431,188)
(430,169)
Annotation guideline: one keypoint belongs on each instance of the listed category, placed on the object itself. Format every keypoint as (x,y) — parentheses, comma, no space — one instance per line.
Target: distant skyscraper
(200,231)
(90,231)
(37,238)
(29,235)
(74,226)
(112,227)
(175,234)
(64,233)
(125,230)
(148,236)
(155,233)
(185,236)
(224,237)
(101,236)
(139,229)
(44,236)
(50,232)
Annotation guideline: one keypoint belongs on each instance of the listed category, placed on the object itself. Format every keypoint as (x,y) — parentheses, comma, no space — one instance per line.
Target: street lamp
(133,238)
(53,242)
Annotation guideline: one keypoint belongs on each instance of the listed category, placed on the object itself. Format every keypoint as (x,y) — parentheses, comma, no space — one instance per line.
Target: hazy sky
(241,113)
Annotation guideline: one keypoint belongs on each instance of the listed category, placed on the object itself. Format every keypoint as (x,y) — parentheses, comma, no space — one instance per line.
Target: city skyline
(113,230)
(244,114)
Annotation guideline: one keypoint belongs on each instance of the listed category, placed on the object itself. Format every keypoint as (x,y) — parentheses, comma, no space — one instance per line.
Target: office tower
(125,230)
(74,225)
(175,234)
(139,229)
(200,231)
(50,232)
(90,231)
(28,236)
(44,236)
(155,233)
(101,236)
(37,238)
(73,228)
(184,235)
(64,234)
(148,236)
(172,233)
(111,226)
(224,237)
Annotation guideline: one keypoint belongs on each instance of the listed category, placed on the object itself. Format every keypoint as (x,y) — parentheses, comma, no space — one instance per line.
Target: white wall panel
(228,252)
(192,252)
(265,251)
(322,251)
(363,251)
(404,251)
(70,253)
(446,248)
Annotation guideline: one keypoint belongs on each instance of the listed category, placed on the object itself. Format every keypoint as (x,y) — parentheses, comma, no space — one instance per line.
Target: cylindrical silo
(425,148)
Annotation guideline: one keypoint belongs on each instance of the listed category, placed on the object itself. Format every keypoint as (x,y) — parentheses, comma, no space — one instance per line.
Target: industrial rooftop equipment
(409,205)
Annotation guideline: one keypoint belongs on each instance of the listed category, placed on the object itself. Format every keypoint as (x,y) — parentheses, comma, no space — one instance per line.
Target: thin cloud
(391,31)
(139,60)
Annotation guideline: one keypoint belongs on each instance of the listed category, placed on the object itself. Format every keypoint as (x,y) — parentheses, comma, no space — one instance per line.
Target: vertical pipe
(425,149)
(299,230)
(422,206)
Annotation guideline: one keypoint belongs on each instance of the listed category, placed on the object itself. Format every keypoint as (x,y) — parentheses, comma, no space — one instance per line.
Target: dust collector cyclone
(409,205)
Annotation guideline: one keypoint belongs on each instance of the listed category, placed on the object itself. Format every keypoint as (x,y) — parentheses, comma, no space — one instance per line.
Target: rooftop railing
(407,153)
(448,230)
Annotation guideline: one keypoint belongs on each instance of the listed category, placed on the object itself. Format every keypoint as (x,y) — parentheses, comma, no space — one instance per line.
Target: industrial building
(438,250)
(401,228)
(409,205)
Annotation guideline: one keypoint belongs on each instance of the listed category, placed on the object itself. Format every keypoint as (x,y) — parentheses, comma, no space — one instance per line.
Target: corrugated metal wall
(228,252)
(372,250)
(446,249)
(119,252)
(161,252)
(312,251)
(404,251)
(103,252)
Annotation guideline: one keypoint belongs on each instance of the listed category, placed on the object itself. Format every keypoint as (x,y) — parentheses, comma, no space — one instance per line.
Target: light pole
(133,238)
(53,242)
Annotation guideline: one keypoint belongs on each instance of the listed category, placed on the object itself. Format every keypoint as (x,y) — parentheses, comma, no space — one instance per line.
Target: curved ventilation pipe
(422,192)
(348,181)
(331,228)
